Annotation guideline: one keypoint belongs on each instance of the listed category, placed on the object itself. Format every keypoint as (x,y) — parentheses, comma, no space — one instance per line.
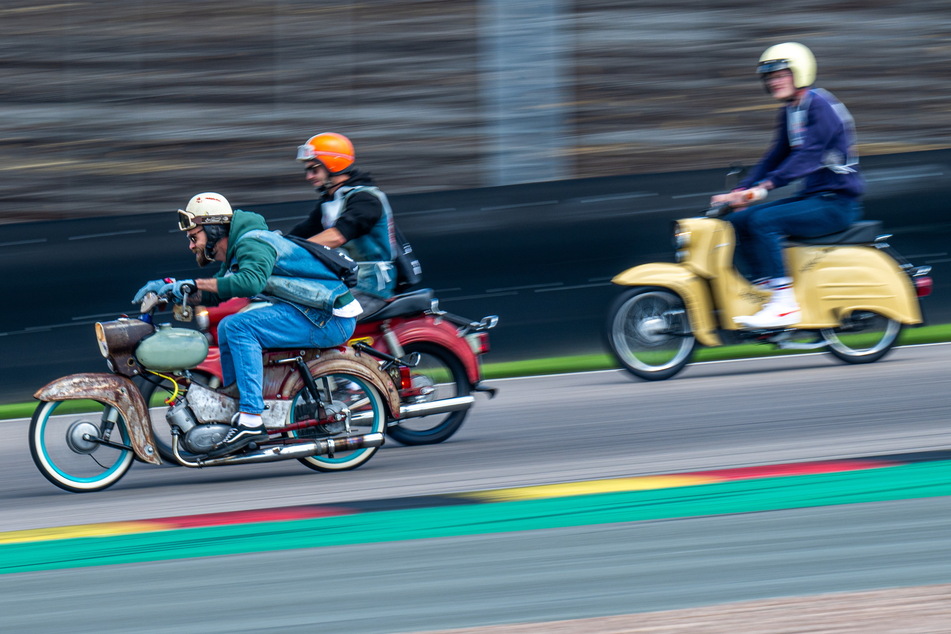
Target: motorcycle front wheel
(345,400)
(864,337)
(64,444)
(442,371)
(649,333)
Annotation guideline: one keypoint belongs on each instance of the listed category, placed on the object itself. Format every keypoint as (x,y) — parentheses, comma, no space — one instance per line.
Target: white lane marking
(750,359)
(903,177)
(421,212)
(107,235)
(19,242)
(520,288)
(575,286)
(531,204)
(696,195)
(610,197)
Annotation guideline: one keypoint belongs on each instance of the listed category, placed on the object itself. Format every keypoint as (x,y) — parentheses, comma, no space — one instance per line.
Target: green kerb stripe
(927,479)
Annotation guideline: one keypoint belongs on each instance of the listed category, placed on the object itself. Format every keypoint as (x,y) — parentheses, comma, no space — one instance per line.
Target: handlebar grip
(718,211)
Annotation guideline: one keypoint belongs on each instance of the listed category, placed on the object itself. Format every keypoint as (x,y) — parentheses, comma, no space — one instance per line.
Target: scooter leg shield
(691,288)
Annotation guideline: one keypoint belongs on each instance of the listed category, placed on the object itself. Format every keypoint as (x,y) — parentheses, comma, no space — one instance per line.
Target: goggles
(188,220)
(305,152)
(772,66)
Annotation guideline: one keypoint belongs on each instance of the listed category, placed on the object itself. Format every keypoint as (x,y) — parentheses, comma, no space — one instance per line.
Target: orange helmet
(333,151)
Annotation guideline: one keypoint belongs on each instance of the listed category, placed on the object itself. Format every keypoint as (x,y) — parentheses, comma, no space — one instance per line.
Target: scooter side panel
(114,390)
(831,282)
(692,289)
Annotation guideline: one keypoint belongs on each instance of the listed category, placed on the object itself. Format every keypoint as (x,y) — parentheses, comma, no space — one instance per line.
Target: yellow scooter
(856,294)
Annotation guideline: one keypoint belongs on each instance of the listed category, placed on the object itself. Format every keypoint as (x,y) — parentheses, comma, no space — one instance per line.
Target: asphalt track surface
(404,562)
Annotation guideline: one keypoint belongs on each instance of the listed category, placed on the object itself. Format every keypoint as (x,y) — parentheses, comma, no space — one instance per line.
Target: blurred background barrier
(533,148)
(540,255)
(117,107)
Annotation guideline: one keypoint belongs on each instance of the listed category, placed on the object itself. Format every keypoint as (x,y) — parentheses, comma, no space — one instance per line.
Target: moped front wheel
(863,337)
(347,405)
(649,333)
(67,443)
(438,375)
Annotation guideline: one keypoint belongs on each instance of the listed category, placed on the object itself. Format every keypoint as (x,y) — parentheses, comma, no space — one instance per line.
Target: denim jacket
(301,280)
(373,252)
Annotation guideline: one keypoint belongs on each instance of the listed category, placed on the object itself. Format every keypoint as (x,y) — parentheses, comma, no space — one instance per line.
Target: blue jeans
(760,229)
(242,337)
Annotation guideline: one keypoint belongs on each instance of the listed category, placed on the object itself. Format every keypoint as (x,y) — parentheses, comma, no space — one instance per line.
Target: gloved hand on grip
(175,288)
(151,287)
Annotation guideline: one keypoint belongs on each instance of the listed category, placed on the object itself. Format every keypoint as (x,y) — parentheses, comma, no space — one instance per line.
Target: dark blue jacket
(815,141)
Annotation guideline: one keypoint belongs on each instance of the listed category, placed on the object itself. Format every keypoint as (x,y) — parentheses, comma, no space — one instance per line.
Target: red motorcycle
(438,371)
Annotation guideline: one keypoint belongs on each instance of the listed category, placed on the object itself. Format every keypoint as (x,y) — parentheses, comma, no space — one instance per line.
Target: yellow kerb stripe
(587,488)
(83,530)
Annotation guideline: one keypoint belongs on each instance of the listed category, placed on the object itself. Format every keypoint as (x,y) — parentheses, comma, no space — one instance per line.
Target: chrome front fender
(117,391)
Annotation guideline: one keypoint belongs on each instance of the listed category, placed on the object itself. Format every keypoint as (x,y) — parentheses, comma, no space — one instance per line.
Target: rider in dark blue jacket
(814,143)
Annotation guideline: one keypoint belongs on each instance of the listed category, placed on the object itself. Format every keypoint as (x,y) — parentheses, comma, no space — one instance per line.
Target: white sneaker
(779,312)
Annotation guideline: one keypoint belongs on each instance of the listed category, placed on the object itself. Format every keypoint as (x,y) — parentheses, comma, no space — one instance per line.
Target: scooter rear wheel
(865,337)
(649,333)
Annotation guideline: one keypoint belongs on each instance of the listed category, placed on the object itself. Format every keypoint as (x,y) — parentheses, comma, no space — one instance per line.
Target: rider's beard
(200,257)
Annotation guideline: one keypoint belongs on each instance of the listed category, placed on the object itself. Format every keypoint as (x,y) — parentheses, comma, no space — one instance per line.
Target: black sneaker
(239,437)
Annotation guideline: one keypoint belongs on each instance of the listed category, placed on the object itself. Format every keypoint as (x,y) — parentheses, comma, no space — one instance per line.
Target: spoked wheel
(63,443)
(864,337)
(346,400)
(155,390)
(649,333)
(439,375)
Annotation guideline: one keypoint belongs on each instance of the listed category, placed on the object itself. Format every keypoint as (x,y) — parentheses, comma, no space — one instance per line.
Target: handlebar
(718,211)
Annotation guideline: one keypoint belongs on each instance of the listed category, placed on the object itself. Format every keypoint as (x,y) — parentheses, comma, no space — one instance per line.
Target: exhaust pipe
(320,447)
(442,406)
(415,410)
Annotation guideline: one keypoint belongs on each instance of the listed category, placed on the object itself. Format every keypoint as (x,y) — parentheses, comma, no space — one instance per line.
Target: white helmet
(792,56)
(208,208)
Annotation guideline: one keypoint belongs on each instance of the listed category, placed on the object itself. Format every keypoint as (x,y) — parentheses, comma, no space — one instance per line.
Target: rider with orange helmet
(352,213)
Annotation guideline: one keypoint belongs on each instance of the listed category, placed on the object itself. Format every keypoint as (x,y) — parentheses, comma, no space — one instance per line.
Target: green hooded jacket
(248,263)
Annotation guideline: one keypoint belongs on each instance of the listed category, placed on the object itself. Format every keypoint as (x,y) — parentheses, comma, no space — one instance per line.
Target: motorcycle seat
(412,303)
(861,232)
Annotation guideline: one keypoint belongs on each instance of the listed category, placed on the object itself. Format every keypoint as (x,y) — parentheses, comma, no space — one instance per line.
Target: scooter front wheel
(864,337)
(649,333)
(67,444)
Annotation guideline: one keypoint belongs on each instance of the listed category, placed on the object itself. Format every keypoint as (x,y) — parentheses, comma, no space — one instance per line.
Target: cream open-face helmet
(208,208)
(793,56)
(212,212)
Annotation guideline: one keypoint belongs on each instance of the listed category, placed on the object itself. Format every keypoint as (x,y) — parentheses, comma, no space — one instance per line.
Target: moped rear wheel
(64,444)
(649,333)
(864,337)
(441,370)
(362,410)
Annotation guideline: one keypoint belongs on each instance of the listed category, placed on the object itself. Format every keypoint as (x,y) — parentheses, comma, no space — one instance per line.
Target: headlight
(117,341)
(101,339)
(681,237)
(681,242)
